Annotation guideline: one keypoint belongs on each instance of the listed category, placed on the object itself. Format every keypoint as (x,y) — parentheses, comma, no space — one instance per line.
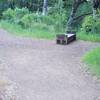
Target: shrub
(97,26)
(9,15)
(26,21)
(14,15)
(88,23)
(60,16)
(60,22)
(91,25)
(47,20)
(19,13)
(36,17)
(33,21)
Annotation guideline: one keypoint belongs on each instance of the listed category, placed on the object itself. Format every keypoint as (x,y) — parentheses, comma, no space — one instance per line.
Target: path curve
(46,71)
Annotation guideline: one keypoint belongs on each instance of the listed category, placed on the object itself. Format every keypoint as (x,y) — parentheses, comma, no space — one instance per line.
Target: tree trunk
(72,15)
(95,6)
(75,5)
(93,9)
(45,7)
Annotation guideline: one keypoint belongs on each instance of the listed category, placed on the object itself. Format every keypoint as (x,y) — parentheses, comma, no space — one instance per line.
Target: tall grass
(39,31)
(88,37)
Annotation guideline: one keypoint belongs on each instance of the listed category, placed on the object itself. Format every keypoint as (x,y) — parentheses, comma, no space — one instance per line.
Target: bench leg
(71,39)
(58,41)
(63,41)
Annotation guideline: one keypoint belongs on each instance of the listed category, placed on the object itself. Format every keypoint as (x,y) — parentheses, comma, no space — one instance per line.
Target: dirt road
(43,70)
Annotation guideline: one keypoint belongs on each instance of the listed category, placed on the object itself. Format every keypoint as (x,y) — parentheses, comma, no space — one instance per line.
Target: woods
(67,14)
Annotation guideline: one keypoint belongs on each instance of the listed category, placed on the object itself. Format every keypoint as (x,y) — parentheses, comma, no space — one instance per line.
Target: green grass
(42,31)
(88,37)
(92,59)
(38,31)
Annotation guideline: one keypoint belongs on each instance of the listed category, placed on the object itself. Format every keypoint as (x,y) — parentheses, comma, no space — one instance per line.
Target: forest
(52,17)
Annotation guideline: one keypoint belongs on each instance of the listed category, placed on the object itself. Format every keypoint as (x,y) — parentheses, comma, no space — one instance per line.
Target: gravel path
(43,70)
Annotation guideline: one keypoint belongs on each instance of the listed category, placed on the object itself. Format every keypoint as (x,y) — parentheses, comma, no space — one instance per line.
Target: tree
(45,7)
(75,6)
(95,6)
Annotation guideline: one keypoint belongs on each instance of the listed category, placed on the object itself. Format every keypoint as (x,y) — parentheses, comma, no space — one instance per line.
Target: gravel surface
(43,70)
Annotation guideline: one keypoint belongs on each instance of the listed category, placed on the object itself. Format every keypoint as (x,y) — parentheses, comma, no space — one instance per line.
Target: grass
(92,59)
(88,37)
(41,31)
(38,31)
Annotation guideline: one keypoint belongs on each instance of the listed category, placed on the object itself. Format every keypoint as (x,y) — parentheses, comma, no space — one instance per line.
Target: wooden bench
(66,38)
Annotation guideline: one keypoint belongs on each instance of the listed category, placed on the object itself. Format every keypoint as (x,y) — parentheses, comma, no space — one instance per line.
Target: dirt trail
(46,71)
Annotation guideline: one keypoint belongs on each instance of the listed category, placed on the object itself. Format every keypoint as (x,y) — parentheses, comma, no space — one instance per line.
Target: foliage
(30,20)
(88,37)
(38,31)
(91,25)
(14,15)
(9,15)
(93,60)
(83,9)
(59,8)
(60,18)
(28,14)
(19,13)
(27,19)
(32,5)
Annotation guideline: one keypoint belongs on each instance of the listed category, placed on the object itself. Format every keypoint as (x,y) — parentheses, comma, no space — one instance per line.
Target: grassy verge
(92,59)
(89,37)
(38,31)
(41,31)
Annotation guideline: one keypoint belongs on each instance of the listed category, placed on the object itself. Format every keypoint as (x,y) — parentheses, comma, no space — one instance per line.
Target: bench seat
(65,38)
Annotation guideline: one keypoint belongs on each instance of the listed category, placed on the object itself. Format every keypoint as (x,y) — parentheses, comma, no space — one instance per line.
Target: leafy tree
(75,6)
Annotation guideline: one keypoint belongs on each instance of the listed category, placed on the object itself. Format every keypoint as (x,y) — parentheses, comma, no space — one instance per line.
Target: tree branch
(83,15)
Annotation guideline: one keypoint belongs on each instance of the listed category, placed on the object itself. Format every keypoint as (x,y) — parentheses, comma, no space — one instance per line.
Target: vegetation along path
(43,70)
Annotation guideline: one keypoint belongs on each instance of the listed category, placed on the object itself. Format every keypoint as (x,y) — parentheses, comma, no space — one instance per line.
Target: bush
(91,25)
(14,15)
(60,22)
(88,23)
(97,26)
(8,15)
(26,21)
(19,13)
(38,30)
(47,19)
(29,19)
(88,37)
